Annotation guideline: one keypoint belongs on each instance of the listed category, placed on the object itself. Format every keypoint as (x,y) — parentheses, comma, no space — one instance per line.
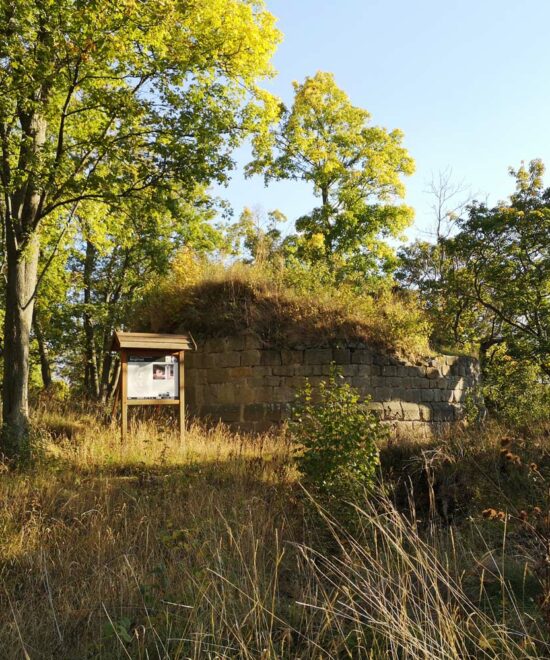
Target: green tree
(100,101)
(255,237)
(355,170)
(487,288)
(506,255)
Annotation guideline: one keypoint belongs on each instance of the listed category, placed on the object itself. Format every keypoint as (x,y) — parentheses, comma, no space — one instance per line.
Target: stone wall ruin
(250,386)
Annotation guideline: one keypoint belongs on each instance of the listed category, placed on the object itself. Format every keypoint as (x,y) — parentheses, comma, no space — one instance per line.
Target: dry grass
(213,550)
(282,306)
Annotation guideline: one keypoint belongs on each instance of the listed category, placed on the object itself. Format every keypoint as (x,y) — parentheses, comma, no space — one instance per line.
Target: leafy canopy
(355,170)
(506,253)
(100,100)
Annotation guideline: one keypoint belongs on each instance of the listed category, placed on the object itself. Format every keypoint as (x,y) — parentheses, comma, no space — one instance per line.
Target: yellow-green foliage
(283,304)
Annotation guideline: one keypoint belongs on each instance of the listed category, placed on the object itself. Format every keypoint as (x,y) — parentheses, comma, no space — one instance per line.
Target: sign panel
(152,377)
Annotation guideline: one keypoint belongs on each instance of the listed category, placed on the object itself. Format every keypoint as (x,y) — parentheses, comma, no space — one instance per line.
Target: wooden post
(181,388)
(124,395)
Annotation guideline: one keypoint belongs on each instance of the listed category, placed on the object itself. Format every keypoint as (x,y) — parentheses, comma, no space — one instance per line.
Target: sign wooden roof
(149,340)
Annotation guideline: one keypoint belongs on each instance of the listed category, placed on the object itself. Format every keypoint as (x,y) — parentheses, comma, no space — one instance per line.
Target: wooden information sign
(151,372)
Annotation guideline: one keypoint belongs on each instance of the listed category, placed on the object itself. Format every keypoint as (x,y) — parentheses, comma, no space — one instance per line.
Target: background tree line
(115,121)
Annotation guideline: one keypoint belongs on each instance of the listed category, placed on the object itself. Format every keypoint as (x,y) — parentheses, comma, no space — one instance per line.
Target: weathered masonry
(241,381)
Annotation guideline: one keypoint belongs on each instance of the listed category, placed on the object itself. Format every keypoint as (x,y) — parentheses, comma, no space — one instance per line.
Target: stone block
(223,393)
(263,394)
(273,381)
(247,395)
(377,408)
(382,393)
(389,371)
(292,357)
(443,412)
(428,395)
(411,412)
(192,397)
(318,356)
(215,345)
(225,413)
(366,392)
(195,359)
(259,381)
(228,359)
(421,429)
(359,381)
(236,343)
(216,376)
(361,356)
(250,357)
(349,370)
(283,394)
(415,396)
(283,371)
(311,370)
(277,412)
(254,412)
(396,394)
(381,359)
(425,411)
(395,382)
(392,410)
(341,356)
(458,395)
(270,358)
(252,341)
(433,373)
(296,382)
(195,376)
(238,373)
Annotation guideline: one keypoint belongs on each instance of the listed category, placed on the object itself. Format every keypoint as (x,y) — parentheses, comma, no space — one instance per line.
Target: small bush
(336,436)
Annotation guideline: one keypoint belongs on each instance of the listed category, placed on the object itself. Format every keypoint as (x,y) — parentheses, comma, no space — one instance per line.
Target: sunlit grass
(154,549)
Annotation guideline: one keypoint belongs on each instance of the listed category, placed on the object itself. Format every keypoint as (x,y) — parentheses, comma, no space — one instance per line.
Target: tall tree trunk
(22,238)
(91,379)
(20,288)
(45,368)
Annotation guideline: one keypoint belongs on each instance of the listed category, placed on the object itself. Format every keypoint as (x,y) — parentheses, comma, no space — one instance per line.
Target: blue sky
(468,83)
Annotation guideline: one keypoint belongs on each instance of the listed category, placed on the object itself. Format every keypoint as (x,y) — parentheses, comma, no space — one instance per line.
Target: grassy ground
(214,550)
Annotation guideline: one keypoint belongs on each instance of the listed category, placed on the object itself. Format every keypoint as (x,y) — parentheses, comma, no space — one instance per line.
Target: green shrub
(336,436)
(516,391)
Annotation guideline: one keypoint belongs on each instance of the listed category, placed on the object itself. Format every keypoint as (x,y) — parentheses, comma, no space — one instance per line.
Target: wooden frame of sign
(148,347)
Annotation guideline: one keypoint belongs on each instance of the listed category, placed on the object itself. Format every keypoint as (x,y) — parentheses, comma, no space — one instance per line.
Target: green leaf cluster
(336,437)
(355,169)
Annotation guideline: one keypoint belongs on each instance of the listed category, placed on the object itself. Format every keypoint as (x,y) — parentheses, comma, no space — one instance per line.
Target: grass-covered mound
(284,306)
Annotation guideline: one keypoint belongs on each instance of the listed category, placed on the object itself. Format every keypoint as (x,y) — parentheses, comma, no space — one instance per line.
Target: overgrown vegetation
(336,437)
(325,539)
(212,549)
(283,304)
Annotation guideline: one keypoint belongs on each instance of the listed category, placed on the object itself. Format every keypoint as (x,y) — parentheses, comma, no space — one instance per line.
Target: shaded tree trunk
(20,288)
(21,221)
(91,377)
(45,368)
